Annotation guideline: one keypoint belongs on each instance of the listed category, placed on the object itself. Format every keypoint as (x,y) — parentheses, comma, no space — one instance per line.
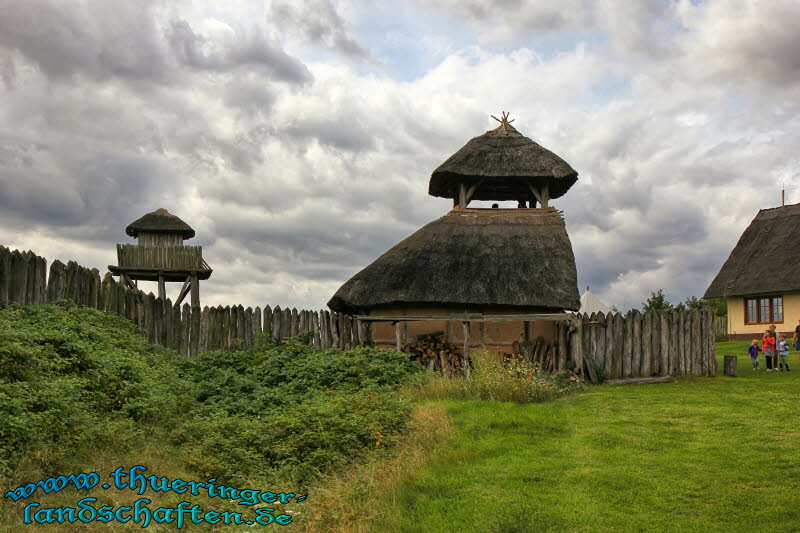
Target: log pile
(436,355)
(540,352)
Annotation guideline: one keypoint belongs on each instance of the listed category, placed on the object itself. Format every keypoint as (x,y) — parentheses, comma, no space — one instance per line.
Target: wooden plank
(636,361)
(600,341)
(204,329)
(293,323)
(610,347)
(702,347)
(663,366)
(267,325)
(334,325)
(563,353)
(55,283)
(185,329)
(640,381)
(286,324)
(712,350)
(465,328)
(5,274)
(256,323)
(697,363)
(576,344)
(194,344)
(277,324)
(550,317)
(687,344)
(619,342)
(655,338)
(248,326)
(647,346)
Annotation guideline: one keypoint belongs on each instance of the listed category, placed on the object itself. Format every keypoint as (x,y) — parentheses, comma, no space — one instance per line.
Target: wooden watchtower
(161,256)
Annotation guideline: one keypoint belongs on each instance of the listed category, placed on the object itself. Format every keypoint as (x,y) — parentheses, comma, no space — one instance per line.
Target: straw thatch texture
(505,161)
(160,221)
(517,258)
(765,259)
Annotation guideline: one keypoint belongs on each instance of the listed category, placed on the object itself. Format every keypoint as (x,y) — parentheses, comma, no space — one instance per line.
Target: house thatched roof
(766,258)
(505,161)
(513,258)
(160,221)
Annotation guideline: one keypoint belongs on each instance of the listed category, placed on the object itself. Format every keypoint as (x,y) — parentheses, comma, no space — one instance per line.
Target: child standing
(783,352)
(753,350)
(768,347)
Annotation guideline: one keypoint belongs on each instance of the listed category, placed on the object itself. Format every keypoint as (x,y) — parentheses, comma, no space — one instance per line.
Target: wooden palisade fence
(650,344)
(660,343)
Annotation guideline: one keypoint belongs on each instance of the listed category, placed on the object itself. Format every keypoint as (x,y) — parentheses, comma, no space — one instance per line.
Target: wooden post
(397,335)
(636,362)
(665,344)
(730,365)
(647,348)
(162,289)
(655,338)
(619,341)
(697,368)
(466,338)
(195,290)
(611,349)
(462,195)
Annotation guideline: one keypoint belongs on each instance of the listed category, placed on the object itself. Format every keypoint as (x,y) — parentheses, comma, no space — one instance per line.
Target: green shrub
(292,410)
(68,372)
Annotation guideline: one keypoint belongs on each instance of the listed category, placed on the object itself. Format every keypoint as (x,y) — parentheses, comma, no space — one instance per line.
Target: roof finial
(503,121)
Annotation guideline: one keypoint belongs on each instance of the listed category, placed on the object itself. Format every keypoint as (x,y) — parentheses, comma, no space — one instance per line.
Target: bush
(292,410)
(67,373)
(73,379)
(495,378)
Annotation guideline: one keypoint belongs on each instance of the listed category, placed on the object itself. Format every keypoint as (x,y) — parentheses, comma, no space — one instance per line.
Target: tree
(717,305)
(656,302)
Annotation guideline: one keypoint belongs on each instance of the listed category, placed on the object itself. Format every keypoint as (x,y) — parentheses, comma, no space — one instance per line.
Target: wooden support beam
(195,290)
(162,289)
(542,195)
(184,291)
(462,195)
(466,338)
(471,191)
(397,335)
(470,317)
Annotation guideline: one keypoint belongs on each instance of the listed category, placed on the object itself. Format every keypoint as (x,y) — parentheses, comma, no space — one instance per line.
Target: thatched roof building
(160,221)
(480,260)
(509,259)
(766,258)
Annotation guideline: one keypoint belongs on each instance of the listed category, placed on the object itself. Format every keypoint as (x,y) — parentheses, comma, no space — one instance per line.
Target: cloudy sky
(298,138)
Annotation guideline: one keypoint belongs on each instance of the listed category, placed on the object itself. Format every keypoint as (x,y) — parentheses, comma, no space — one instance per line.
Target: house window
(767,310)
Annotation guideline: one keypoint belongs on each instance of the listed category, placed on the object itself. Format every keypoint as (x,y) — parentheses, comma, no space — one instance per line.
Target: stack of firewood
(436,355)
(541,352)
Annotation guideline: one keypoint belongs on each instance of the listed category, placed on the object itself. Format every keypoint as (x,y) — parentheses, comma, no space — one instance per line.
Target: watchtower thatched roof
(518,258)
(160,221)
(504,162)
(765,259)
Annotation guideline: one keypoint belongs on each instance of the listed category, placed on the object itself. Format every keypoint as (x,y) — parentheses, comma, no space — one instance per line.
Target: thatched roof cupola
(160,221)
(502,164)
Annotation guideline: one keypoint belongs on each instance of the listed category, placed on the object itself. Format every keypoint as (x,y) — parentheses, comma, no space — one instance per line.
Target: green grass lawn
(710,454)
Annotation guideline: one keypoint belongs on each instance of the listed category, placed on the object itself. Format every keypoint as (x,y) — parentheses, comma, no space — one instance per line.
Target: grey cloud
(318,22)
(98,38)
(253,50)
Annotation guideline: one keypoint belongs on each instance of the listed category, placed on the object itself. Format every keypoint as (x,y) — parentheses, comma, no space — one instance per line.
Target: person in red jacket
(768,347)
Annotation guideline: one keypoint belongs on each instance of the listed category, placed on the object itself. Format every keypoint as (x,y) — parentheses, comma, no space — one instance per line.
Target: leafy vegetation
(74,379)
(658,302)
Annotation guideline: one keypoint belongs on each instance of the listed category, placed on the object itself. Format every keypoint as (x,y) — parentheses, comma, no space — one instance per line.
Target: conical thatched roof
(765,259)
(518,258)
(160,221)
(505,161)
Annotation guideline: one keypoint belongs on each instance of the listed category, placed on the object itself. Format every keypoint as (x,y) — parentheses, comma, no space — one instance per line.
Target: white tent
(592,304)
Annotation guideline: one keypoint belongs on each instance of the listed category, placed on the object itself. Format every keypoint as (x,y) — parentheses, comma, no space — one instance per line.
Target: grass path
(711,454)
